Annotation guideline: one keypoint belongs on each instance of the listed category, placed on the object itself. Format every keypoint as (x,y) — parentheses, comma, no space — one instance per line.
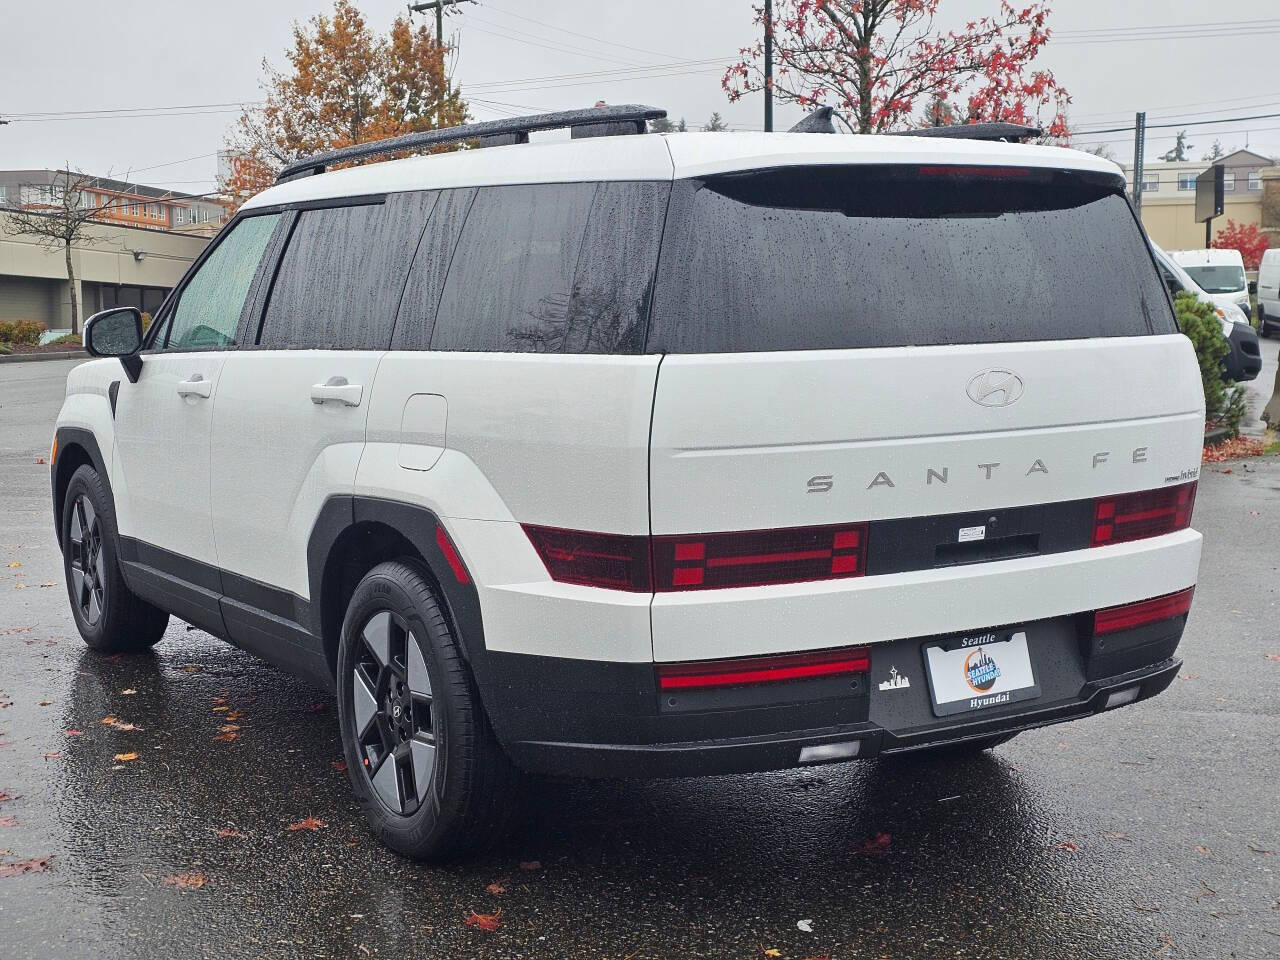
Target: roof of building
(49,177)
(660,157)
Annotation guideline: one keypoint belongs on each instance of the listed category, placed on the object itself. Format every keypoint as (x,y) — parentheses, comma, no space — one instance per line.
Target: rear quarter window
(841,257)
(553,268)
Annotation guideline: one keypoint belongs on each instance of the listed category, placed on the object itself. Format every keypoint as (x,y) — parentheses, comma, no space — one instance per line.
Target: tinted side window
(614,285)
(844,257)
(510,285)
(430,265)
(209,308)
(342,274)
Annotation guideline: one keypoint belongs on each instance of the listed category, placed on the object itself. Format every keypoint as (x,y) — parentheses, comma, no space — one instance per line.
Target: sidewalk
(51,355)
(1260,389)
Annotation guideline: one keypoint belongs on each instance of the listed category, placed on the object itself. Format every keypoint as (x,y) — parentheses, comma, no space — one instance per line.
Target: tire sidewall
(86,483)
(381,590)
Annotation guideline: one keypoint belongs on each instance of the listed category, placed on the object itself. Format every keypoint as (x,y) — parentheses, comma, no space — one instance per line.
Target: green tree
(1215,152)
(665,125)
(1180,150)
(1199,321)
(715,125)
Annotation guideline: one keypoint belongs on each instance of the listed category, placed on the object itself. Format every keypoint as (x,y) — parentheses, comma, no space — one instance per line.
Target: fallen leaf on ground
(53,754)
(1066,846)
(46,703)
(49,583)
(187,881)
(222,709)
(877,844)
(226,737)
(338,765)
(73,733)
(125,757)
(6,743)
(770,951)
(128,693)
(1274,657)
(1115,835)
(485,921)
(229,728)
(192,668)
(226,833)
(217,700)
(234,715)
(1265,853)
(40,460)
(8,821)
(496,889)
(14,564)
(19,586)
(308,823)
(1202,849)
(34,865)
(528,866)
(5,796)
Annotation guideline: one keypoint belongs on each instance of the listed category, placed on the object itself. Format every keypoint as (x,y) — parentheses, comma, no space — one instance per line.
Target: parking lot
(1150,831)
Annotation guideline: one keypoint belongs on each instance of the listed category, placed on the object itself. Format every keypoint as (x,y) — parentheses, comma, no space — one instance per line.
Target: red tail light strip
(1131,615)
(451,557)
(733,673)
(1150,513)
(757,558)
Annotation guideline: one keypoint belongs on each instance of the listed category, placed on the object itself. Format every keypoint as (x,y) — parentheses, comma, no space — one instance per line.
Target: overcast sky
(203,58)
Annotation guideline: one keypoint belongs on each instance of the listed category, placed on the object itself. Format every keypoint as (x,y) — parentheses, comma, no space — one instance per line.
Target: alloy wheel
(87,580)
(392,713)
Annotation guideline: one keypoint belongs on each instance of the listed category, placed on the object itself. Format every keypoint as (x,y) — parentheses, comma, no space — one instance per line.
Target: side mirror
(116,333)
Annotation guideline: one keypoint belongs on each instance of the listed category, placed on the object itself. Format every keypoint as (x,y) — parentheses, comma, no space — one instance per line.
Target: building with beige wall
(1169,197)
(122,266)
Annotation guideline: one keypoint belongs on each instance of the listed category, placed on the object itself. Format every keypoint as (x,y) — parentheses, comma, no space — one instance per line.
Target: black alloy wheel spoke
(85,548)
(393,712)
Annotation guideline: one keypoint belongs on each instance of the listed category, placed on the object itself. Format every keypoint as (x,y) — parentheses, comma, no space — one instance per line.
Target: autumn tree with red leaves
(1245,237)
(885,65)
(344,85)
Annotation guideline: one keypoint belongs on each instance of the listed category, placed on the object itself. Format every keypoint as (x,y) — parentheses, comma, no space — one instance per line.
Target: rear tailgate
(960,362)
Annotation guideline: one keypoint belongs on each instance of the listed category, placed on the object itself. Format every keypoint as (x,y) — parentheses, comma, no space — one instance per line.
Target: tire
(409,712)
(1263,330)
(962,750)
(111,617)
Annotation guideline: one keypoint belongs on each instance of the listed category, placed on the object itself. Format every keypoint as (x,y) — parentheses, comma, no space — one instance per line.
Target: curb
(40,357)
(1217,437)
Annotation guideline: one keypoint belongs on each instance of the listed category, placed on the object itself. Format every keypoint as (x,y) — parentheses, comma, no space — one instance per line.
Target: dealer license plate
(979,670)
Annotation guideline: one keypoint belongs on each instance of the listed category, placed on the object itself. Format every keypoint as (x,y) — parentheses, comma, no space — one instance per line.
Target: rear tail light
(989,173)
(1132,615)
(1133,516)
(759,558)
(701,562)
(615,561)
(735,673)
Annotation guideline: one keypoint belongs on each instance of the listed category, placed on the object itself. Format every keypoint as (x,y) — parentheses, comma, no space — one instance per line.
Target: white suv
(653,455)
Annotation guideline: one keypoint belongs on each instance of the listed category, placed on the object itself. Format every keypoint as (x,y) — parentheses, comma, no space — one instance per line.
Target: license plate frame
(953,670)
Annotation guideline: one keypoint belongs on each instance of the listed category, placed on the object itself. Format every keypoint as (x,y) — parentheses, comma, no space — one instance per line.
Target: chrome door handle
(197,386)
(337,389)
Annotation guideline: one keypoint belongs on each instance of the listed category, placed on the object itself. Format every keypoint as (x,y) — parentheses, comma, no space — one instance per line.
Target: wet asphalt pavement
(1152,831)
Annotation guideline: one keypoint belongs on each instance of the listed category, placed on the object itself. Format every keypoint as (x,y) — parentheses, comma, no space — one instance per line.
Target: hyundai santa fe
(652,455)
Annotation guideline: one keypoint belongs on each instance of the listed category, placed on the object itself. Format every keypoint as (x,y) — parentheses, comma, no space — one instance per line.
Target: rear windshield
(1221,279)
(810,258)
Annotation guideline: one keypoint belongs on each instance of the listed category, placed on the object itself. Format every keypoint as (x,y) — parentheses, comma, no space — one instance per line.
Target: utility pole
(438,6)
(1139,147)
(768,66)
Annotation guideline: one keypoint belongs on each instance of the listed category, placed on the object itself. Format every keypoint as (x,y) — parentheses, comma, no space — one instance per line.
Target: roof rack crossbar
(1008,132)
(628,116)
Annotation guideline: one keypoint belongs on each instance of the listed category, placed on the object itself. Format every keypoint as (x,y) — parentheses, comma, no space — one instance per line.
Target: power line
(574,33)
(1182,124)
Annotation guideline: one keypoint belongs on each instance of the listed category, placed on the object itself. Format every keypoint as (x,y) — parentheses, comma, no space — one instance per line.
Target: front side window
(1222,278)
(210,305)
(811,258)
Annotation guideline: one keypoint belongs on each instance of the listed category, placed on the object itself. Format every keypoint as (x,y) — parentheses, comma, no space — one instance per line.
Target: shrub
(75,338)
(5,349)
(23,332)
(1247,238)
(1223,403)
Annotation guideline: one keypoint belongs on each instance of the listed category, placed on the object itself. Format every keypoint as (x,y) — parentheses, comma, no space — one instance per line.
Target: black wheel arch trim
(340,515)
(63,466)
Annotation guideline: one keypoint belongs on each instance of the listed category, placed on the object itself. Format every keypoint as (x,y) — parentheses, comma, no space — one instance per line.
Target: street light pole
(768,66)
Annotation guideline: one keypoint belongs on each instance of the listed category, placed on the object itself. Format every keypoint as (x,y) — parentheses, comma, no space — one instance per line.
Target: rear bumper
(618,725)
(1244,362)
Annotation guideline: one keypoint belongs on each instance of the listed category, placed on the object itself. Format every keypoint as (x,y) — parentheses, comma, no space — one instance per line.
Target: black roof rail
(624,118)
(1007,132)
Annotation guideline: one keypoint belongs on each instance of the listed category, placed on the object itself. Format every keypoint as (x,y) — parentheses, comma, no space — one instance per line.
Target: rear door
(855,344)
(290,426)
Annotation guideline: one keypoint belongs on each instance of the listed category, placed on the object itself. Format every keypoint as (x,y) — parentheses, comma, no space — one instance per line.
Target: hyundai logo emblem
(996,387)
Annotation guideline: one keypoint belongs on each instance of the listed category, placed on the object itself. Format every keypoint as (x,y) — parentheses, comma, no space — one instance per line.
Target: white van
(1269,292)
(652,455)
(1220,274)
